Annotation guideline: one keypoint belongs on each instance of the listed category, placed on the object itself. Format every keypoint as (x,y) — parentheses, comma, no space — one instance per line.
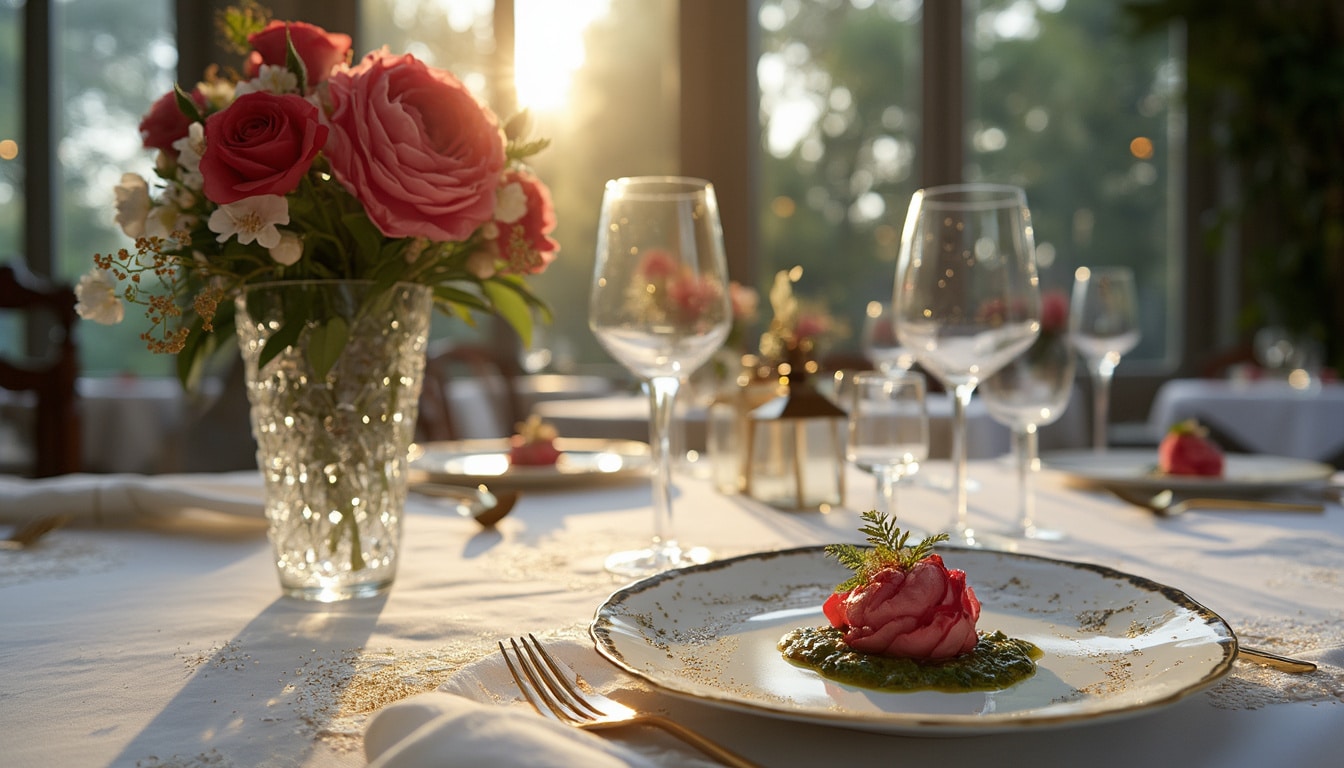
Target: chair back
(49,373)
(472,374)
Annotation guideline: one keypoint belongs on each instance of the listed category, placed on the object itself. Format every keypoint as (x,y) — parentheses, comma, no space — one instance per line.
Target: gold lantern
(795,448)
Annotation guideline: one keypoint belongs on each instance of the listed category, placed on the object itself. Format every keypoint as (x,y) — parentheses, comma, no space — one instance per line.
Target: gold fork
(551,687)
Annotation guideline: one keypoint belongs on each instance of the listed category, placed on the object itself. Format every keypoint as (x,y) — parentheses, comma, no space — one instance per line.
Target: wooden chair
(50,374)
(495,374)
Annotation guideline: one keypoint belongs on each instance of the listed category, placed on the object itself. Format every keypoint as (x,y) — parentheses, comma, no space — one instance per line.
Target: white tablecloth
(1263,416)
(166,643)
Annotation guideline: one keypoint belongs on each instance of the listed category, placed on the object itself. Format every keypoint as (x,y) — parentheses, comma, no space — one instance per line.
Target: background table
(169,645)
(1260,416)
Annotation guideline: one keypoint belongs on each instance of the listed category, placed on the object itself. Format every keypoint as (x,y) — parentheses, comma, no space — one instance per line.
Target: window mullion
(943,98)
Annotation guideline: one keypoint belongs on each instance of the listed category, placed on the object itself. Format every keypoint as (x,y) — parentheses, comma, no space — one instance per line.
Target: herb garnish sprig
(889,550)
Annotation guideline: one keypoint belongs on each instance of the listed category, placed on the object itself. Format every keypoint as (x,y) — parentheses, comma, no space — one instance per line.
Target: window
(1047,93)
(1055,98)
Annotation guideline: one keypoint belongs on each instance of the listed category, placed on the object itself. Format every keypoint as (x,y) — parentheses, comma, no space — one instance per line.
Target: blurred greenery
(1270,76)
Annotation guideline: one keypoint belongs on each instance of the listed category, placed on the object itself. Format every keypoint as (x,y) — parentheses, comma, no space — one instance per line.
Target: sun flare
(549,48)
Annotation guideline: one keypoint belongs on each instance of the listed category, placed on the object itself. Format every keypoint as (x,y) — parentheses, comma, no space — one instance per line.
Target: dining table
(150,631)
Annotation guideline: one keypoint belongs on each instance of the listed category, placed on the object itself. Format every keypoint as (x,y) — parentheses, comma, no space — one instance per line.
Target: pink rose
(927,612)
(1054,311)
(319,49)
(811,324)
(525,242)
(164,123)
(415,147)
(693,296)
(744,299)
(659,265)
(262,144)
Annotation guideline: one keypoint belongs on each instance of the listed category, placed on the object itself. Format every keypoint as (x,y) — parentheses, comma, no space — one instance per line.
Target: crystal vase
(334,370)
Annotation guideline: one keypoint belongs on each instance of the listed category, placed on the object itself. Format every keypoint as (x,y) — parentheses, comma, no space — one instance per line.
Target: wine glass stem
(662,402)
(1101,404)
(886,490)
(1024,439)
(961,399)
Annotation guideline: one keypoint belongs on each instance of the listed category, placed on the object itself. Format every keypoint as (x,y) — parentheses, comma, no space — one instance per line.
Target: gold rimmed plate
(1114,644)
(582,462)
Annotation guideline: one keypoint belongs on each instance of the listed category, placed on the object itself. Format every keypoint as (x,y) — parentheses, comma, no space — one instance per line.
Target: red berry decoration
(1187,450)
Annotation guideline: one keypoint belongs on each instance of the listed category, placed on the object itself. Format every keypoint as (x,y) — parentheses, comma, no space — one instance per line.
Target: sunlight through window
(549,48)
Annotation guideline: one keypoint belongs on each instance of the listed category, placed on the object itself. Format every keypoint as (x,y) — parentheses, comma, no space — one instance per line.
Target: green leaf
(325,344)
(294,63)
(186,105)
(511,306)
(295,313)
(366,236)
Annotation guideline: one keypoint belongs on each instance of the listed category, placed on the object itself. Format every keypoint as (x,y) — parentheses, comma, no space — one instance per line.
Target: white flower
(481,263)
(165,219)
(132,196)
(189,150)
(510,203)
(218,93)
(252,218)
(269,78)
(289,250)
(415,248)
(98,299)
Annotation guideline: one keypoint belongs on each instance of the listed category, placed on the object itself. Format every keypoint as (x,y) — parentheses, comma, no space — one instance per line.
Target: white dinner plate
(1137,468)
(1114,644)
(582,462)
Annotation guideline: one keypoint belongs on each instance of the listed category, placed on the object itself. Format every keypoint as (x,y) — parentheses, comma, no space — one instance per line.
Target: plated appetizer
(534,444)
(906,622)
(1187,450)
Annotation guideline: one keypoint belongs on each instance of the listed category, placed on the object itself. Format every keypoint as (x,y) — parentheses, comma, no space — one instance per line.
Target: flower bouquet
(322,208)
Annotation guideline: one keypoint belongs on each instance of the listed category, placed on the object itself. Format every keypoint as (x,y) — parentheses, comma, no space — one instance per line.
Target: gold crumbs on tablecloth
(1253,686)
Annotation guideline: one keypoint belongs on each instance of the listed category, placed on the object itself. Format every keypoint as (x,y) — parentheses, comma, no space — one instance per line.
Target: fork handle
(1253,504)
(722,754)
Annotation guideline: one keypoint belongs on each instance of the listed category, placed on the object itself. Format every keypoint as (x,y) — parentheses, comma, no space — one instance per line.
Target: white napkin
(129,498)
(478,718)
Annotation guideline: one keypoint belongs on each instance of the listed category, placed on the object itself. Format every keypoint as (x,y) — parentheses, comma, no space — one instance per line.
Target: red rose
(525,242)
(319,49)
(164,123)
(414,146)
(262,144)
(927,612)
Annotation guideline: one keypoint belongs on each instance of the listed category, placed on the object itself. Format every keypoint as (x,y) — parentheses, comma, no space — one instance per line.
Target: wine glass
(879,342)
(1104,325)
(659,306)
(888,429)
(1029,392)
(966,297)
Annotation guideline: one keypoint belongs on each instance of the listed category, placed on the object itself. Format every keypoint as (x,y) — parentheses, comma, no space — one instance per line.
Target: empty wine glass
(1029,392)
(659,306)
(966,297)
(1104,325)
(888,429)
(879,342)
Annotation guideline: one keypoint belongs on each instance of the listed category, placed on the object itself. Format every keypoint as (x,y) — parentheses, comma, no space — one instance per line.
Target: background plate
(1137,468)
(582,462)
(1114,644)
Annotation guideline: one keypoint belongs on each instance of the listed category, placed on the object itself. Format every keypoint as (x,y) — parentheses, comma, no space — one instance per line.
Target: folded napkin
(129,498)
(478,718)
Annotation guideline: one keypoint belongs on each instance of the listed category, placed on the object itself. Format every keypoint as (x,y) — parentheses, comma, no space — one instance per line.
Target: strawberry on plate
(1187,450)
(534,445)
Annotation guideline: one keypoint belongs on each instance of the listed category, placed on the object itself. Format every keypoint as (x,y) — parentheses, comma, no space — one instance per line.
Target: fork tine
(562,679)
(530,689)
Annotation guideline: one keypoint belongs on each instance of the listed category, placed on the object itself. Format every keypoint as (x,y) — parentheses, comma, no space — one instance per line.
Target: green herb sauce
(996,662)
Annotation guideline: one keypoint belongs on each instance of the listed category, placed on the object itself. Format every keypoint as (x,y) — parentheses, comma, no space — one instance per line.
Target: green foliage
(889,549)
(237,22)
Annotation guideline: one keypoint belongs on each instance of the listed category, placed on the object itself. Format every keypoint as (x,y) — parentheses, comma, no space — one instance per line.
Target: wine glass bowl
(966,297)
(1104,326)
(659,305)
(888,428)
